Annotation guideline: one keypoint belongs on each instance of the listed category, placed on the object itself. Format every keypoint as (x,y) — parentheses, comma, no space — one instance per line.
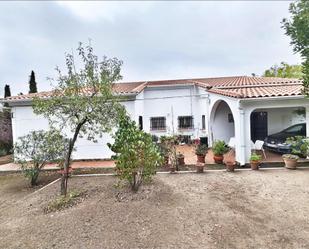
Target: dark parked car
(276,142)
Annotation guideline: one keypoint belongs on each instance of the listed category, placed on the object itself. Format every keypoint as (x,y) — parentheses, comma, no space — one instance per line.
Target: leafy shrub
(170,143)
(255,157)
(201,150)
(299,145)
(219,148)
(155,138)
(290,156)
(137,157)
(35,149)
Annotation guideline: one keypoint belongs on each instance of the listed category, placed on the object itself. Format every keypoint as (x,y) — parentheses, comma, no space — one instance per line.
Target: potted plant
(180,158)
(299,145)
(230,165)
(299,148)
(200,167)
(201,151)
(219,148)
(290,161)
(255,161)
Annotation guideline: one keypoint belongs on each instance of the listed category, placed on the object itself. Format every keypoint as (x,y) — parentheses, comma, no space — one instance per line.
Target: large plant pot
(200,158)
(172,169)
(230,166)
(290,163)
(255,165)
(181,160)
(218,159)
(200,167)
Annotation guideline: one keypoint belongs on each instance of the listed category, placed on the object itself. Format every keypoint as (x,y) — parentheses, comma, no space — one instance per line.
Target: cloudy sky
(155,40)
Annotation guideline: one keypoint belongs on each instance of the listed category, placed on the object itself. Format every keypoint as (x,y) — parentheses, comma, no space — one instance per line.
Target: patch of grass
(63,202)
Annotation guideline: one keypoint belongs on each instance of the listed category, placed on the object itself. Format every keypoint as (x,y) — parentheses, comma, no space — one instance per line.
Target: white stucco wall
(221,120)
(24,121)
(174,102)
(153,102)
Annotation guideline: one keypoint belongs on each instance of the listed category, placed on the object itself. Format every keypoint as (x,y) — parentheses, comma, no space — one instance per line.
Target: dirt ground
(244,209)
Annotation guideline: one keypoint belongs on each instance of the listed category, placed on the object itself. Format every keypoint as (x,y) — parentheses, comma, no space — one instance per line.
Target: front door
(258,126)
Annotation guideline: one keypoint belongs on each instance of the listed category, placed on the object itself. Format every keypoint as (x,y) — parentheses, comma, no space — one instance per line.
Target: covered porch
(253,119)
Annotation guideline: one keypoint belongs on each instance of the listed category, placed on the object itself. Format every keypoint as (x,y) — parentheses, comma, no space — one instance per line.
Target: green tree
(137,157)
(83,100)
(297,28)
(284,71)
(32,83)
(7,93)
(35,149)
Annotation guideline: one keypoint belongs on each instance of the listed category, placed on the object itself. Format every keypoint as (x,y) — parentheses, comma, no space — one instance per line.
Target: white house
(247,108)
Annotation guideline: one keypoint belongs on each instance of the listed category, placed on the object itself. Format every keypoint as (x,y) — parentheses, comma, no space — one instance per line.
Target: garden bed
(245,209)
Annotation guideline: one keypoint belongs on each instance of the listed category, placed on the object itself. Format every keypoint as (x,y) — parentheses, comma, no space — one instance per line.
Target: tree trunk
(35,176)
(34,179)
(65,175)
(136,181)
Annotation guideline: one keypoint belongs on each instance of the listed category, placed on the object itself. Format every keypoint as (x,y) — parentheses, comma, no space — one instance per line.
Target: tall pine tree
(7,93)
(32,84)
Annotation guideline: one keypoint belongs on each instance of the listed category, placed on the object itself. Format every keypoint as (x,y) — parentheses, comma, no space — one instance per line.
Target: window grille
(185,122)
(158,123)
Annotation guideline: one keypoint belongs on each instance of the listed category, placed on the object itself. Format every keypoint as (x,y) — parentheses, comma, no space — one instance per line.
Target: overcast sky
(155,40)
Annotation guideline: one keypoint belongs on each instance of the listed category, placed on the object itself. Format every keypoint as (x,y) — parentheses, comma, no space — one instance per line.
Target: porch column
(240,136)
(307,121)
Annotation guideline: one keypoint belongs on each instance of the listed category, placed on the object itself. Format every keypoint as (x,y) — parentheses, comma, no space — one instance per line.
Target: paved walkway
(75,165)
(187,150)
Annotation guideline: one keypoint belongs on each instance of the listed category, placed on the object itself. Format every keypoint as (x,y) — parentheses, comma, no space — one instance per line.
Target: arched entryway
(222,125)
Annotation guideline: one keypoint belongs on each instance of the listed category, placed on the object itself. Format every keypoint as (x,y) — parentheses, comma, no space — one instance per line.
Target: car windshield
(294,129)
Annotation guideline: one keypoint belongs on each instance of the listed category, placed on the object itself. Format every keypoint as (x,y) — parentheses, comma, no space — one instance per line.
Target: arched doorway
(222,125)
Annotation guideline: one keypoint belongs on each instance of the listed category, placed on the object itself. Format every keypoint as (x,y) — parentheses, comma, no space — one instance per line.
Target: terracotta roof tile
(236,86)
(260,91)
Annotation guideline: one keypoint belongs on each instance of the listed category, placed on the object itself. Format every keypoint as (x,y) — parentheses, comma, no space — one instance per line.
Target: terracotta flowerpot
(290,163)
(200,167)
(172,169)
(255,165)
(200,158)
(218,159)
(181,160)
(230,166)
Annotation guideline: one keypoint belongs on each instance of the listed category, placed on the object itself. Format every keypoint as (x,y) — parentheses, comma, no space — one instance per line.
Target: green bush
(170,143)
(201,150)
(299,145)
(37,148)
(219,148)
(255,157)
(137,157)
